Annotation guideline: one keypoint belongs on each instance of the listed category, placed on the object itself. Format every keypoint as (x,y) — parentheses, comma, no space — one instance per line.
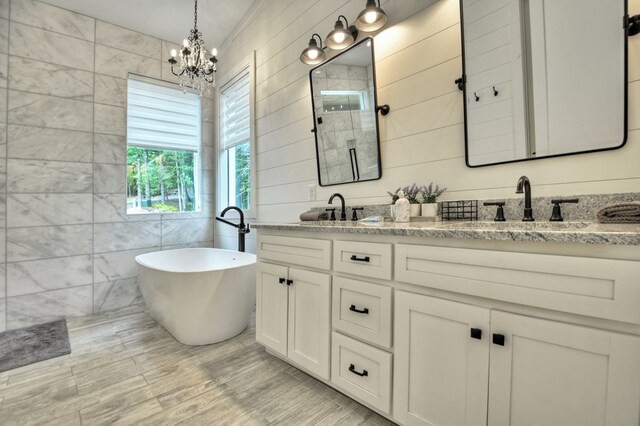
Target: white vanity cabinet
(453,360)
(293,312)
(450,331)
(441,366)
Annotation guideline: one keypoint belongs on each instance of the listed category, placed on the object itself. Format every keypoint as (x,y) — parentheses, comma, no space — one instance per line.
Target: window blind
(236,115)
(161,117)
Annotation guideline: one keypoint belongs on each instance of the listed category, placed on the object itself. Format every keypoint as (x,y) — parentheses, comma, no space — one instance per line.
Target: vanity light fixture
(313,54)
(372,18)
(341,38)
(197,65)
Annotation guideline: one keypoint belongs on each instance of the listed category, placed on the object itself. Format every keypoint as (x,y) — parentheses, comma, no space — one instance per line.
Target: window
(163,143)
(237,179)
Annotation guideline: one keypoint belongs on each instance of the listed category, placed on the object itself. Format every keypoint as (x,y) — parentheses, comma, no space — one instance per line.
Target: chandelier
(197,66)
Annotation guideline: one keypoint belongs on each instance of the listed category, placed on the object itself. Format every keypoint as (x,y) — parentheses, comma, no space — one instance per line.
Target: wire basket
(460,210)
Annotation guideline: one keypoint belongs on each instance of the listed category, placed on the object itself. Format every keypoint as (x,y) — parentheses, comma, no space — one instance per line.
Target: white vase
(402,209)
(415,210)
(430,209)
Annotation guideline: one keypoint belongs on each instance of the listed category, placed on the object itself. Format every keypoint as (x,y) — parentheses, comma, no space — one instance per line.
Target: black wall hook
(632,23)
(495,92)
(476,95)
(383,109)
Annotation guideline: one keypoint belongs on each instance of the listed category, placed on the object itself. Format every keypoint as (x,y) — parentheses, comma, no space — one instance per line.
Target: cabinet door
(309,320)
(440,370)
(554,373)
(271,307)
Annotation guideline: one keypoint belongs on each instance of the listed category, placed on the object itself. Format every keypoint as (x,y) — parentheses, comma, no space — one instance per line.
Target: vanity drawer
(361,370)
(602,288)
(362,310)
(366,259)
(297,251)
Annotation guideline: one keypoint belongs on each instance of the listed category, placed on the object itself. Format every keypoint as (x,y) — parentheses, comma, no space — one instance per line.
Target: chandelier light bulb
(185,42)
(173,53)
(214,52)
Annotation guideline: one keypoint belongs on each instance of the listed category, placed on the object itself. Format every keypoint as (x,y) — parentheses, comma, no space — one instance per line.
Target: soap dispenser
(402,208)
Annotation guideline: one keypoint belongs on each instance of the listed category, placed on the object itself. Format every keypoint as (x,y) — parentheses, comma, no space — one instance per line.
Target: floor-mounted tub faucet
(525,186)
(243,229)
(343,211)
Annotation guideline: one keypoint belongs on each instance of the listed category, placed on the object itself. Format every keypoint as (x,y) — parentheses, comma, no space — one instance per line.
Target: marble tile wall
(67,245)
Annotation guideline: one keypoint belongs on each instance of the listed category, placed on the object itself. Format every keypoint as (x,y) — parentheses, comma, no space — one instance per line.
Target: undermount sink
(524,226)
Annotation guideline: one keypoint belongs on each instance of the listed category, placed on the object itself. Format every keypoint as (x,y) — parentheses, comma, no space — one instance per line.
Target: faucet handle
(556,213)
(246,229)
(354,215)
(499,212)
(333,213)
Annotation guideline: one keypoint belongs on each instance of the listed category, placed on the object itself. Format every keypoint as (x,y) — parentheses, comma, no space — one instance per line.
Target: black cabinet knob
(289,282)
(281,280)
(498,339)
(476,333)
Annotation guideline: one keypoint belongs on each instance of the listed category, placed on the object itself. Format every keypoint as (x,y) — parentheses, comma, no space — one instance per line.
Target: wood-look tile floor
(124,369)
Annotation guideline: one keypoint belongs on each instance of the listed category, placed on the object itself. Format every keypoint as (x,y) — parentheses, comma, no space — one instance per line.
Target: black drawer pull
(289,282)
(360,259)
(354,309)
(476,333)
(281,280)
(352,368)
(498,339)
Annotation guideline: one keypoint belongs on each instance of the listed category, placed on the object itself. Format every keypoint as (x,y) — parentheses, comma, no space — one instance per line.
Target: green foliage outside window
(243,176)
(160,180)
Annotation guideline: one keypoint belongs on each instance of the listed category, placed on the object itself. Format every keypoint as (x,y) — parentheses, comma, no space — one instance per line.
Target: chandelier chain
(195,17)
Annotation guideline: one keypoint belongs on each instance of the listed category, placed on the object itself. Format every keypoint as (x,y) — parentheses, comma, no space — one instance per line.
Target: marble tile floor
(125,369)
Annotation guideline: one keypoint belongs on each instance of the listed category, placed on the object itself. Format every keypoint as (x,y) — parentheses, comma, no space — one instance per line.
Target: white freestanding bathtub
(200,295)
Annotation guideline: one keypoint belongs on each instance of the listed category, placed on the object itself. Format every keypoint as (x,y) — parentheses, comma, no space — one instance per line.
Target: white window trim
(223,186)
(198,174)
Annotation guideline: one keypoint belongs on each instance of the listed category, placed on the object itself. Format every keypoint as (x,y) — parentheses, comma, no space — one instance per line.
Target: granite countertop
(556,232)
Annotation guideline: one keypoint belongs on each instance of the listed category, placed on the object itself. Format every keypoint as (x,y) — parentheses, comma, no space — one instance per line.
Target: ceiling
(169,20)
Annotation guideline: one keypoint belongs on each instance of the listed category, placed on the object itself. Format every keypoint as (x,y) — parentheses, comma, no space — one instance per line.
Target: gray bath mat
(33,344)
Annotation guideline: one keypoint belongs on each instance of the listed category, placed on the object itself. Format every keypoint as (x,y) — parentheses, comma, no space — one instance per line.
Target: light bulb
(370,17)
(173,53)
(313,53)
(214,52)
(185,43)
(339,37)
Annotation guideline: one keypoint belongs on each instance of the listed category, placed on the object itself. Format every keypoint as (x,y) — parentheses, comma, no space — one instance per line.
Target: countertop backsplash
(584,210)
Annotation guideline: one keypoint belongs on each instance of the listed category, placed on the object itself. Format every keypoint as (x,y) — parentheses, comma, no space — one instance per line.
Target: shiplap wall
(422,139)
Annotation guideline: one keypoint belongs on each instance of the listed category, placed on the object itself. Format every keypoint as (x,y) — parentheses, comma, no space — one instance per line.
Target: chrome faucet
(525,186)
(343,212)
(243,229)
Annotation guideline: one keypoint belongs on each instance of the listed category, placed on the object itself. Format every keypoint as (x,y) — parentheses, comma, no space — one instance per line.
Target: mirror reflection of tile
(343,92)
